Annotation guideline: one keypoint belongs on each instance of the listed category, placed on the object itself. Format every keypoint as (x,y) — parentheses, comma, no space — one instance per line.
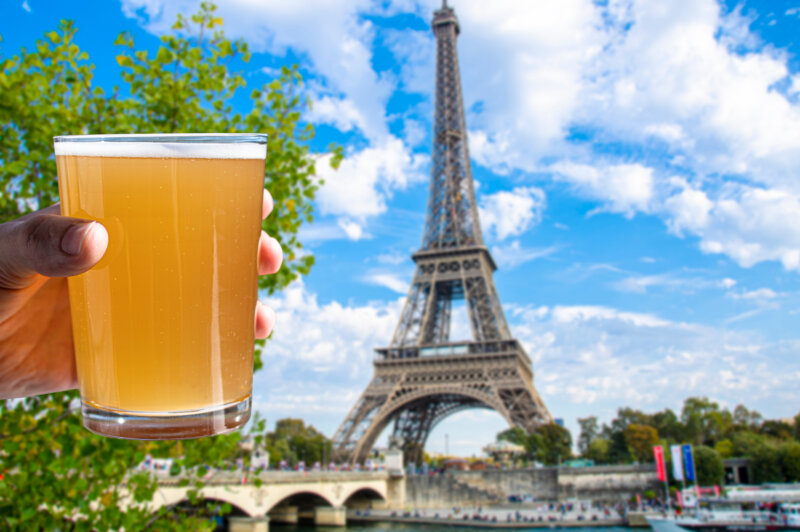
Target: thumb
(50,245)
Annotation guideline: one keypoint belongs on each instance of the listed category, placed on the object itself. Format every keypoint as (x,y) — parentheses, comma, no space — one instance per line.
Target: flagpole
(661,471)
(696,480)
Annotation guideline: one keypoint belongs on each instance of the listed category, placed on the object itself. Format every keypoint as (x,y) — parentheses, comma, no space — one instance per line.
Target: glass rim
(179,138)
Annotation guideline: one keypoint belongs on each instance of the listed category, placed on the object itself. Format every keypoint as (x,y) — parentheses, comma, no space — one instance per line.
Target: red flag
(661,471)
(716,490)
(680,498)
(639,500)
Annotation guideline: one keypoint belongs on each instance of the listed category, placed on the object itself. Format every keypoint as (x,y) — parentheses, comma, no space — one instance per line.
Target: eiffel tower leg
(411,319)
(525,407)
(346,438)
(412,427)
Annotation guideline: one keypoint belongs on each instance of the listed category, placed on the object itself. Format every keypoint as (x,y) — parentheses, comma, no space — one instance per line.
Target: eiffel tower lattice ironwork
(423,377)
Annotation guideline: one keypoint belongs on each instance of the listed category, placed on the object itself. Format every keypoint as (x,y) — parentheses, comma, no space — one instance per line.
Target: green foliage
(717,433)
(640,439)
(790,461)
(649,495)
(590,430)
(765,462)
(708,464)
(598,451)
(777,429)
(556,444)
(705,423)
(516,435)
(52,468)
(724,448)
(293,441)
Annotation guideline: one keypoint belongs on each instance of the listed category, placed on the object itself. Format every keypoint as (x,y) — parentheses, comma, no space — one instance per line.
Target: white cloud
(670,74)
(366,179)
(510,213)
(331,36)
(586,313)
(27,6)
(640,284)
(353,230)
(624,188)
(328,336)
(392,258)
(760,294)
(388,280)
(339,112)
(748,224)
(513,254)
(590,360)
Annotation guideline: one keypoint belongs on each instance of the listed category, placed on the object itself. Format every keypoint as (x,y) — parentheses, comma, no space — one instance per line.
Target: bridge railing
(243,476)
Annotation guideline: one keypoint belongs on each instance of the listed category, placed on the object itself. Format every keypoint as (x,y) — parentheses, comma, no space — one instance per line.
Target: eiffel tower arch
(423,377)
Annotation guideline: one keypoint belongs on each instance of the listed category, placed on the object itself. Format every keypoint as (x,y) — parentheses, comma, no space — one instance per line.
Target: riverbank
(513,517)
(484,524)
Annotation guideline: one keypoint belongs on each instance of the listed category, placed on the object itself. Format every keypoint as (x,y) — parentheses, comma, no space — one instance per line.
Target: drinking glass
(163,325)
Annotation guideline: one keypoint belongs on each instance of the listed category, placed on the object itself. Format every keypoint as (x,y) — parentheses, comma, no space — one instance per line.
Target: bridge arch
(172,496)
(363,497)
(302,498)
(459,397)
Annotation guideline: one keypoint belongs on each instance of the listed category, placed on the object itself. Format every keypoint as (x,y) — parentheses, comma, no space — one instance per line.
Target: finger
(265,320)
(50,245)
(266,204)
(270,254)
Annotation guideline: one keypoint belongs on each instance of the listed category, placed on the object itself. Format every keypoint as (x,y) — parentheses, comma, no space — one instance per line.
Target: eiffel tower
(423,377)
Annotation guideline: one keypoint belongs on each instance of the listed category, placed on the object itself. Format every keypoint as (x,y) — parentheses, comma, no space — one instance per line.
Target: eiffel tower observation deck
(423,377)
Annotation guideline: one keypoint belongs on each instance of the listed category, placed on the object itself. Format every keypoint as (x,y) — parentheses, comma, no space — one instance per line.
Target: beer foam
(177,150)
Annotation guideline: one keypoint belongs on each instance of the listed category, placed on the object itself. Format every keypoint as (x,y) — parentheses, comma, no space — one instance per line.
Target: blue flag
(688,462)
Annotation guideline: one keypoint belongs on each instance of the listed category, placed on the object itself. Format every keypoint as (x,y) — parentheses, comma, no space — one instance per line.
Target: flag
(677,461)
(688,463)
(680,498)
(658,452)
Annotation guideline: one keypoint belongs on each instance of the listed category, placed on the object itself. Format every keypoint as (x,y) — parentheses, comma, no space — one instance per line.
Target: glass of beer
(163,325)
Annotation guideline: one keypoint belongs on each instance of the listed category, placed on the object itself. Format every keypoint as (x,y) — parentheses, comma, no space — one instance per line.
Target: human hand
(37,253)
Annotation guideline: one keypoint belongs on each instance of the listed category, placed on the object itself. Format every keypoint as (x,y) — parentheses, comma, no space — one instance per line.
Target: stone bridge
(286,496)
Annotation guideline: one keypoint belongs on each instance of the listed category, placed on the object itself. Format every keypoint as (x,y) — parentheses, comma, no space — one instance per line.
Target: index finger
(266,204)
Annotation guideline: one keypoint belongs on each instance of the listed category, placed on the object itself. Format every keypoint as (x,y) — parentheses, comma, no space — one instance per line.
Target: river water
(395,527)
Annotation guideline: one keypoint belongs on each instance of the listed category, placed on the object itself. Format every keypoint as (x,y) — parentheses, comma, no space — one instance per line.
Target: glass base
(165,426)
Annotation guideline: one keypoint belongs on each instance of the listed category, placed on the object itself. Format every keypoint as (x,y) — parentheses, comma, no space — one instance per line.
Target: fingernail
(73,239)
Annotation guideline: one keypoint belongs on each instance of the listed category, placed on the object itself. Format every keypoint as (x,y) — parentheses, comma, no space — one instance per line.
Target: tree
(797,427)
(590,430)
(777,429)
(556,444)
(724,448)
(294,441)
(704,421)
(764,455)
(515,435)
(744,419)
(518,436)
(708,463)
(640,439)
(598,451)
(668,425)
(790,461)
(618,450)
(53,468)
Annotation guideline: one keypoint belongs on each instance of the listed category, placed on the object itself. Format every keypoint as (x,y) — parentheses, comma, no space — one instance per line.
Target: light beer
(163,325)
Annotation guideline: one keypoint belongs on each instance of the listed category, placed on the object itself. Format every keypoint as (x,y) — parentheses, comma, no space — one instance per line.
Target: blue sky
(637,167)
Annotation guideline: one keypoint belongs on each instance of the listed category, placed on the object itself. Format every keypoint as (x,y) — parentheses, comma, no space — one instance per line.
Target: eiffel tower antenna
(423,377)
